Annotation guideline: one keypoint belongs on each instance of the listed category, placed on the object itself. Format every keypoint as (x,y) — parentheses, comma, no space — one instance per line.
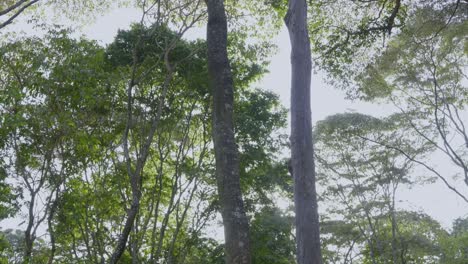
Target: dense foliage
(102,145)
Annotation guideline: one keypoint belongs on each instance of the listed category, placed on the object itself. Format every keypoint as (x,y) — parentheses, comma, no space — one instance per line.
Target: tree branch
(13,7)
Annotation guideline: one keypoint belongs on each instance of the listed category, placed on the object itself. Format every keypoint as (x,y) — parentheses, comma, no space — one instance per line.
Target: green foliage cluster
(64,106)
(359,175)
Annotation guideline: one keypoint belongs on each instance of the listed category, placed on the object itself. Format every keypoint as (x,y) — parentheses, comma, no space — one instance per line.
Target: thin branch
(420,163)
(21,10)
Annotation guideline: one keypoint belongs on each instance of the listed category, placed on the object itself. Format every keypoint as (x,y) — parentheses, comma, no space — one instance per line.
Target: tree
(136,161)
(302,152)
(421,73)
(12,248)
(41,155)
(236,226)
(453,246)
(360,180)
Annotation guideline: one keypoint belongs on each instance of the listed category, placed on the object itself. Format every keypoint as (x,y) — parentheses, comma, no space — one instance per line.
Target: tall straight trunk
(29,237)
(302,152)
(236,228)
(394,228)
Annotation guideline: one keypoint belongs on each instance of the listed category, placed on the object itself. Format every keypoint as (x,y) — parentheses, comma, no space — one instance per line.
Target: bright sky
(434,199)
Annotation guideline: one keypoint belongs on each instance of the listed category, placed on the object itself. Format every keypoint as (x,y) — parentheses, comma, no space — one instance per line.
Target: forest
(160,146)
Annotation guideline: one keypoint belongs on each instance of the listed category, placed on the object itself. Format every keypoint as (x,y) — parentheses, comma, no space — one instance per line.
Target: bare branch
(420,163)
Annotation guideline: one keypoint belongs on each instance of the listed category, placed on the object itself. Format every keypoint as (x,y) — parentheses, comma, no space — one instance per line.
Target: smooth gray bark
(302,152)
(236,229)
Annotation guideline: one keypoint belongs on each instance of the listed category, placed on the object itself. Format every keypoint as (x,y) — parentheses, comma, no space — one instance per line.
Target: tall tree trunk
(29,238)
(394,228)
(236,228)
(302,152)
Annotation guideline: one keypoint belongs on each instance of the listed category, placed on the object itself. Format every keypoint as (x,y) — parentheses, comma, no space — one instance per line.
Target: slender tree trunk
(302,152)
(394,229)
(123,238)
(53,247)
(28,236)
(236,227)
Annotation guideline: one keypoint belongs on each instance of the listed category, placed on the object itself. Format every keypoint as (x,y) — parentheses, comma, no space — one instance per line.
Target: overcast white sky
(435,199)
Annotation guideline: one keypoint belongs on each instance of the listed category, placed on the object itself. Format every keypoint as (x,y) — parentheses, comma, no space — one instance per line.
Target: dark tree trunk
(236,228)
(29,236)
(123,238)
(302,152)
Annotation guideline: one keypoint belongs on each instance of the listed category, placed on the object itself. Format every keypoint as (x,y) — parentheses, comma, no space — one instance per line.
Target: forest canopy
(144,149)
